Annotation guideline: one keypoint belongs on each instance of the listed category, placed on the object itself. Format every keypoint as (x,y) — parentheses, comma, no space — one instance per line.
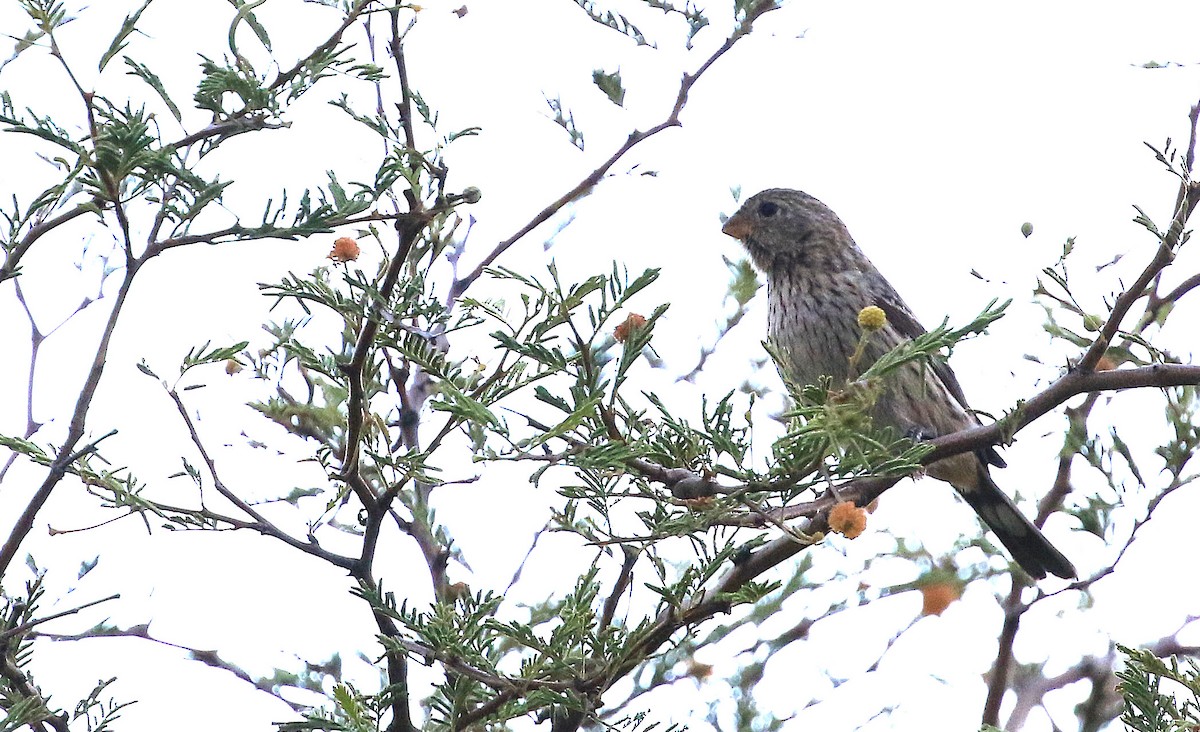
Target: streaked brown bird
(818,282)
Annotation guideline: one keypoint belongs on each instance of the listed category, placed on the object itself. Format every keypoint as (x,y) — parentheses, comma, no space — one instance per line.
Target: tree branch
(58,468)
(636,137)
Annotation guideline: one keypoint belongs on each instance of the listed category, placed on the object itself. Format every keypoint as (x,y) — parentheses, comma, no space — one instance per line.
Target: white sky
(933,128)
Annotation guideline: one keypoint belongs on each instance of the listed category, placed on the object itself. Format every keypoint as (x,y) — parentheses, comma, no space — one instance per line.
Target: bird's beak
(738,227)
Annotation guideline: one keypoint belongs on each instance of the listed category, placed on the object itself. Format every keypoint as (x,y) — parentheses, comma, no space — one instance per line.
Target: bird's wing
(907,325)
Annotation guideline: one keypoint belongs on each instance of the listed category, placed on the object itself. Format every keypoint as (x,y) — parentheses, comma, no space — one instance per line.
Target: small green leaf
(252,21)
(610,84)
(118,42)
(148,76)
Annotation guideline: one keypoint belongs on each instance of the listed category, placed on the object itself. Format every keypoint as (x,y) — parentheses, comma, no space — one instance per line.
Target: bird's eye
(767,209)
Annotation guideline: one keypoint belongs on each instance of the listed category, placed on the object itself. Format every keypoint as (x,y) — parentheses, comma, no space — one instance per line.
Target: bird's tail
(1028,546)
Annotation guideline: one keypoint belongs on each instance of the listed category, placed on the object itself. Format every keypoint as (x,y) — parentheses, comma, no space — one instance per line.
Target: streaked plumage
(818,281)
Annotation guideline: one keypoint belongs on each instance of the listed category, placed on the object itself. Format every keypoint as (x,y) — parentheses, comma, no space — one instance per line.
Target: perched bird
(818,282)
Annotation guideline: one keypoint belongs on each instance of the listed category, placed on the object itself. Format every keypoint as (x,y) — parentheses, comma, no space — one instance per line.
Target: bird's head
(785,228)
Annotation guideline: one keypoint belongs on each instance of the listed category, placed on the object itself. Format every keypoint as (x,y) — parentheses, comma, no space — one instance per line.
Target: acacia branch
(13,256)
(211,658)
(229,128)
(260,524)
(1014,609)
(636,137)
(406,120)
(1155,302)
(330,43)
(408,229)
(687,484)
(61,464)
(862,491)
(1071,384)
(1187,200)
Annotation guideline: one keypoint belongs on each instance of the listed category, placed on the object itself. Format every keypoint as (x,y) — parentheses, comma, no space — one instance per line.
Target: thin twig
(58,468)
(22,628)
(261,524)
(1014,609)
(636,137)
(1188,198)
(619,587)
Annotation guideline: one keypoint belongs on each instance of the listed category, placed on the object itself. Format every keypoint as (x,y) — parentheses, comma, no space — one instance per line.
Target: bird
(818,281)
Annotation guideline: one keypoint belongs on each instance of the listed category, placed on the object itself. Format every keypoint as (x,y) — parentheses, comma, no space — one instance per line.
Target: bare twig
(619,587)
(260,523)
(1188,198)
(20,629)
(12,257)
(636,137)
(209,658)
(58,469)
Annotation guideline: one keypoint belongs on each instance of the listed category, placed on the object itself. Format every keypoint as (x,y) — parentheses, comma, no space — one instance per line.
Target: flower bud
(871,318)
(345,249)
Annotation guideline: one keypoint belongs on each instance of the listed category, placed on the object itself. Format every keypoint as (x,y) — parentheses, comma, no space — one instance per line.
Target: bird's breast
(812,320)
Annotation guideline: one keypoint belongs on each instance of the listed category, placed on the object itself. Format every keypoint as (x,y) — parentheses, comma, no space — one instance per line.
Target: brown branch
(1176,483)
(998,679)
(619,587)
(260,523)
(228,128)
(36,338)
(13,256)
(1071,384)
(406,106)
(408,229)
(1188,198)
(862,491)
(59,467)
(24,627)
(334,39)
(998,683)
(397,660)
(672,120)
(1077,425)
(1156,302)
(1014,609)
(207,657)
(1091,669)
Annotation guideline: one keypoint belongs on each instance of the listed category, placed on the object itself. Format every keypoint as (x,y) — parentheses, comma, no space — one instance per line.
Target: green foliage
(614,21)
(221,80)
(1152,705)
(204,355)
(611,85)
(119,42)
(565,119)
(743,281)
(932,344)
(144,73)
